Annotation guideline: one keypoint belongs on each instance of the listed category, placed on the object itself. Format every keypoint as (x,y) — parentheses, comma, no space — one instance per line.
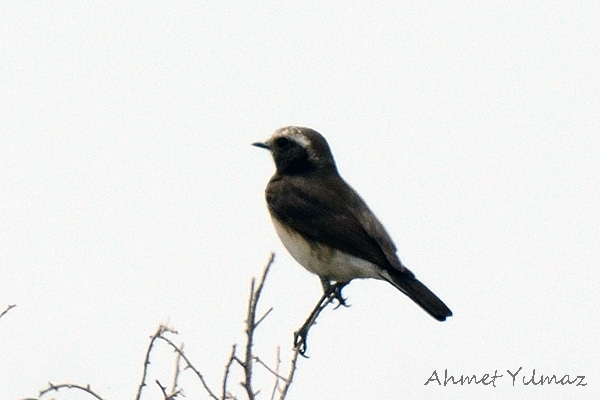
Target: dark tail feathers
(410,286)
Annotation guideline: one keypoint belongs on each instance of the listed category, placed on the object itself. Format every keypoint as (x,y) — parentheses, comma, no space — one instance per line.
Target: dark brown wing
(329,211)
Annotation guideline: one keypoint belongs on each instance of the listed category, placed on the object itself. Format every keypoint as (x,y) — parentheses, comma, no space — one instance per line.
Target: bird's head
(298,150)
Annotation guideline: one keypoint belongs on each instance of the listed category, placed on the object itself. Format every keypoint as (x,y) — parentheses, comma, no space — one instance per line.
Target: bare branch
(177,371)
(189,365)
(251,325)
(263,277)
(290,377)
(56,388)
(263,317)
(281,384)
(166,395)
(232,358)
(276,372)
(247,363)
(163,389)
(159,332)
(7,309)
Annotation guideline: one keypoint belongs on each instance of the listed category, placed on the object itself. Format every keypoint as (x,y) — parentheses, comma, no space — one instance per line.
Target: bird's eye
(282,142)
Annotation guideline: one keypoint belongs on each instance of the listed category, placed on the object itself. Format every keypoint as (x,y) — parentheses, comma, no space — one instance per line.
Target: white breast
(324,261)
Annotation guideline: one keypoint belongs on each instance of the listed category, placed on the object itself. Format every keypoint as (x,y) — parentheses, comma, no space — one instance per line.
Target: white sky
(130,195)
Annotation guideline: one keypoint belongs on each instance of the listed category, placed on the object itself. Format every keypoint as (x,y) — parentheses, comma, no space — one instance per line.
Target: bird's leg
(330,292)
(301,334)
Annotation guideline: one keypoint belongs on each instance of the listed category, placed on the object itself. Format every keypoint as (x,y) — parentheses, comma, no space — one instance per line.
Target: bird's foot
(336,292)
(300,337)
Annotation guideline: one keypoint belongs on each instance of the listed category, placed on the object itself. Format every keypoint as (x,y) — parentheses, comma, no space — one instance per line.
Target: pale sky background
(130,195)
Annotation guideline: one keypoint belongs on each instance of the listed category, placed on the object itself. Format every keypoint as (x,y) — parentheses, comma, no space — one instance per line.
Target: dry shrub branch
(247,360)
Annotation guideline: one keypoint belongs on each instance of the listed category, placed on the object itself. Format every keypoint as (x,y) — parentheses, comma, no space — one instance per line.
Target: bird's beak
(263,145)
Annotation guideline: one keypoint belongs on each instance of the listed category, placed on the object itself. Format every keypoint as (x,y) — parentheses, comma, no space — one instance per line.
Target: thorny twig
(232,358)
(290,377)
(159,332)
(189,365)
(177,371)
(86,389)
(252,322)
(166,395)
(7,309)
(251,325)
(276,372)
(300,348)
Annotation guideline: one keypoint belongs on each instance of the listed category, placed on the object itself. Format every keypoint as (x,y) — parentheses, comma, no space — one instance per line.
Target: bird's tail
(420,294)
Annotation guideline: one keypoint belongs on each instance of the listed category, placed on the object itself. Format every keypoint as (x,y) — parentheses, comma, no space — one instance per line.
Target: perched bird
(326,226)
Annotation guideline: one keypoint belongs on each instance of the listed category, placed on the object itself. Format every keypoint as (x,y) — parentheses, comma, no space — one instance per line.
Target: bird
(326,226)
